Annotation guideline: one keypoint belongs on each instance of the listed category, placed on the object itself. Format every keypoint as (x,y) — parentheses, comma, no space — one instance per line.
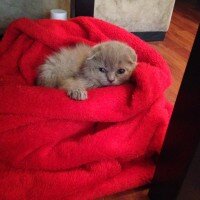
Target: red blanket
(52,147)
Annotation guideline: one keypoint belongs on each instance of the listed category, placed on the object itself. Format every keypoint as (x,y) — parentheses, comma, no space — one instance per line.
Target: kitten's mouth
(107,83)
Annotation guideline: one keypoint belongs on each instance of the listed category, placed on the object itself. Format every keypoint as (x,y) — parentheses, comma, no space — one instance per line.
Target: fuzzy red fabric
(52,147)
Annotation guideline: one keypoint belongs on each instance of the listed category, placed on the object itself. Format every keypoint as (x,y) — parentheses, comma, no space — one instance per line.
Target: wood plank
(178,43)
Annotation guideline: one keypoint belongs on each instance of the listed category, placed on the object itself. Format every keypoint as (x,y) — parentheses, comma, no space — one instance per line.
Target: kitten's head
(110,63)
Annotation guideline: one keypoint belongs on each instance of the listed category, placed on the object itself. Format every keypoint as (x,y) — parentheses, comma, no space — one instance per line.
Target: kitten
(75,69)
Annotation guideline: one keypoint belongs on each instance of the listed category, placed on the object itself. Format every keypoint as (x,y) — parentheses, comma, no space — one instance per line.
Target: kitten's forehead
(115,53)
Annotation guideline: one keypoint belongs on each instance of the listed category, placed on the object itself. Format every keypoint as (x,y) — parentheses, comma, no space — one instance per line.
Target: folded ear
(131,57)
(94,54)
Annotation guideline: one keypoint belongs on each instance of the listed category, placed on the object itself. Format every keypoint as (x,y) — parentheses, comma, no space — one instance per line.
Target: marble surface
(136,15)
(13,9)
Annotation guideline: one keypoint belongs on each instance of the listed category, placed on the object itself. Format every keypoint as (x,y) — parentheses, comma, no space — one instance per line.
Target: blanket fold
(52,147)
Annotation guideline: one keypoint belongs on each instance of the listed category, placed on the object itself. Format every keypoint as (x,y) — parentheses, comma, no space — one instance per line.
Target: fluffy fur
(78,68)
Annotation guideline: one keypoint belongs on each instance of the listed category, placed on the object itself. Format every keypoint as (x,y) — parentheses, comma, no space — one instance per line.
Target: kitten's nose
(111,80)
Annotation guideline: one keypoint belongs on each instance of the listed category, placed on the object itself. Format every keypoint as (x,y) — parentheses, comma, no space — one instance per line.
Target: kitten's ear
(94,54)
(131,58)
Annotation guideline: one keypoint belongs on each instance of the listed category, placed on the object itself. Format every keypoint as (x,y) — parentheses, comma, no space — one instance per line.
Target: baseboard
(151,36)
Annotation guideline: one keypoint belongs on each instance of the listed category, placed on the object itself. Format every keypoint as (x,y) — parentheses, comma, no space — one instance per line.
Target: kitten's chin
(109,84)
(104,84)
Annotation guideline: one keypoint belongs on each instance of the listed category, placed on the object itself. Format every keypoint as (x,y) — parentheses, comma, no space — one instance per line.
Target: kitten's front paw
(78,94)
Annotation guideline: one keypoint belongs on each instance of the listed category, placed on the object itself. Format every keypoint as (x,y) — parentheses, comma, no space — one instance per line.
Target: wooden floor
(175,49)
(178,42)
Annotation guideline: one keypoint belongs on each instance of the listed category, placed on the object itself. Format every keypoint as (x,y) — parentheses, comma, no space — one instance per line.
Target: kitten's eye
(120,71)
(103,70)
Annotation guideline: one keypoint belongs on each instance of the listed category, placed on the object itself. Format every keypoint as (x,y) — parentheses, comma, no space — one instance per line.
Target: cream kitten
(75,69)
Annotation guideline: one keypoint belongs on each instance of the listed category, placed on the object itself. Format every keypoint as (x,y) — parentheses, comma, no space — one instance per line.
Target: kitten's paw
(78,94)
